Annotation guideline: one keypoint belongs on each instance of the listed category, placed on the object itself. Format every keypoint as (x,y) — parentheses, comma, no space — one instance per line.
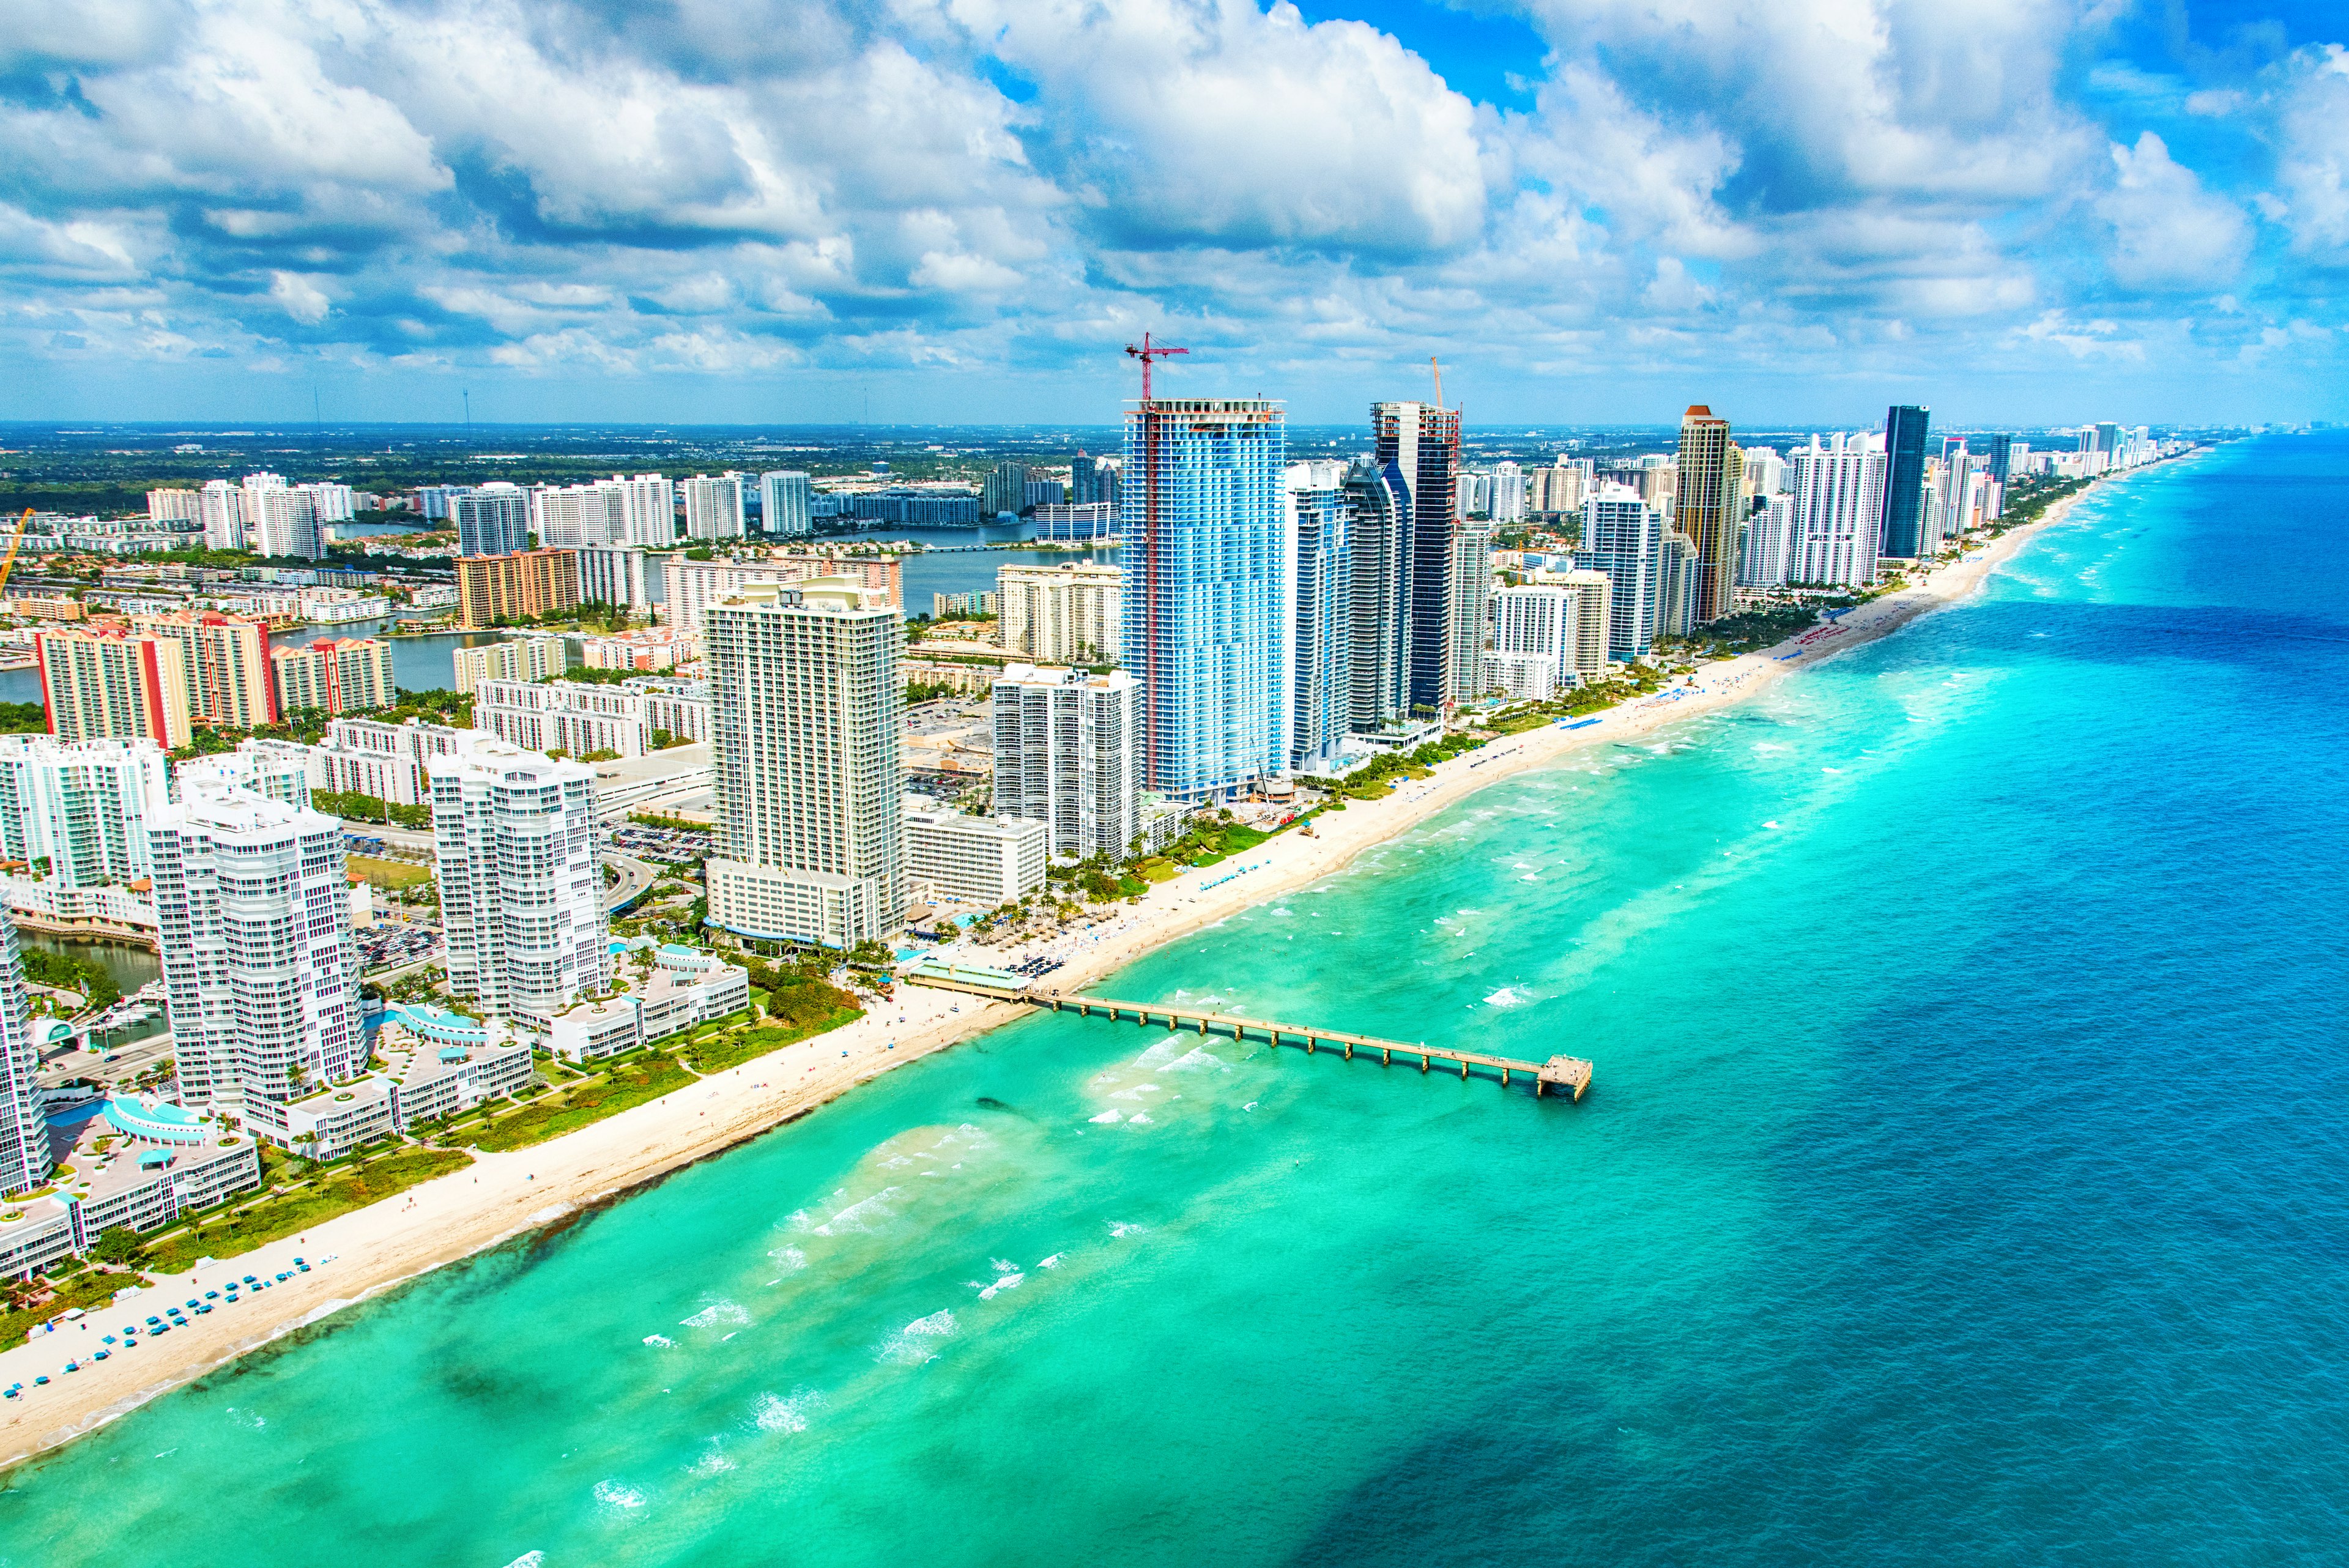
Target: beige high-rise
(1066,614)
(1706,508)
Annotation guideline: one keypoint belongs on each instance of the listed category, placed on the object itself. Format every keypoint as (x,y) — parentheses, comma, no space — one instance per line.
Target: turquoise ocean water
(1964,1179)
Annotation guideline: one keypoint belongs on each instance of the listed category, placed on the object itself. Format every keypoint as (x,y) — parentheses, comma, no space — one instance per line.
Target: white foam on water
(1053,1262)
(661,1342)
(528,1560)
(791,1258)
(1507,996)
(716,1312)
(1137,1120)
(713,1461)
(859,1217)
(776,1414)
(1107,1119)
(1197,1060)
(1529,877)
(1769,824)
(612,1494)
(911,1344)
(1136,1091)
(1010,1281)
(1124,1228)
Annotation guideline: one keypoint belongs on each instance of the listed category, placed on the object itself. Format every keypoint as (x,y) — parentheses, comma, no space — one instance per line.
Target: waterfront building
(334,675)
(578,516)
(713,506)
(960,606)
(1904,516)
(329,502)
(1318,564)
(259,967)
(1083,523)
(274,769)
(1068,754)
(1379,539)
(1839,511)
(434,501)
(227,663)
(1067,614)
(623,574)
(1679,566)
(962,859)
(141,1163)
(1422,443)
(1207,593)
(806,702)
(672,988)
(1709,486)
(1044,493)
(783,509)
(648,649)
(494,590)
(24,1162)
(521,890)
(648,510)
(1769,542)
(220,507)
(1623,536)
(1006,490)
(492,519)
(373,757)
(284,521)
(1470,611)
(98,680)
(1561,621)
(513,658)
(76,812)
(694,586)
(581,719)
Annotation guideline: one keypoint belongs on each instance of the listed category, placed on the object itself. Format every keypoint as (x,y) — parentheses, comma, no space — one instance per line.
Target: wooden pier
(1568,1073)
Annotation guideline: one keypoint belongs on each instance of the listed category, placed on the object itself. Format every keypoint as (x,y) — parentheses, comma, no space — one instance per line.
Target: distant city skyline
(557,211)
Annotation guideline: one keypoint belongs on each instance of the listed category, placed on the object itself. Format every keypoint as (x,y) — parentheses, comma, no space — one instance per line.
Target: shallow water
(1963,1180)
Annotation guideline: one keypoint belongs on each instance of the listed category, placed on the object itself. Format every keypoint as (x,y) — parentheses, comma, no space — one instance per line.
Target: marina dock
(1568,1075)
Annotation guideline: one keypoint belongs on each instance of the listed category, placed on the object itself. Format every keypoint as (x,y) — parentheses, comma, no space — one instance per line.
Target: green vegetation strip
(89,1291)
(731,1050)
(673,824)
(68,973)
(628,1084)
(273,1219)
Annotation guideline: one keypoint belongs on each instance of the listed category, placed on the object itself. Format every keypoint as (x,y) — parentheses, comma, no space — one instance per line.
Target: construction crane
(15,542)
(1146,352)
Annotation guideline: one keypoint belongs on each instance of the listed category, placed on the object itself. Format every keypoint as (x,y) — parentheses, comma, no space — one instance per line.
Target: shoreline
(505,1195)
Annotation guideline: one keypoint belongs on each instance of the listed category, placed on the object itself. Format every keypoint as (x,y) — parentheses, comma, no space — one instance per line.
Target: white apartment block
(1561,620)
(577,718)
(259,967)
(784,503)
(1068,754)
(805,716)
(219,506)
(24,1134)
(273,770)
(77,811)
(985,860)
(1067,614)
(370,756)
(713,506)
(1839,510)
(514,659)
(619,575)
(1768,552)
(521,888)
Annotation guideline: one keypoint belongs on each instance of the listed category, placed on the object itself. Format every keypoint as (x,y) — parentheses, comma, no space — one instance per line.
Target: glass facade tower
(1905,427)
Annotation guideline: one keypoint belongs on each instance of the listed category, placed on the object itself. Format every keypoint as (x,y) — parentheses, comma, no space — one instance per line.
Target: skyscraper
(1904,428)
(1205,591)
(1068,614)
(1623,536)
(259,969)
(1706,509)
(1378,534)
(1838,509)
(1067,754)
(2002,459)
(81,807)
(521,890)
(227,664)
(805,709)
(784,503)
(492,519)
(1006,490)
(1471,594)
(102,681)
(23,1134)
(221,506)
(1424,444)
(713,506)
(1319,565)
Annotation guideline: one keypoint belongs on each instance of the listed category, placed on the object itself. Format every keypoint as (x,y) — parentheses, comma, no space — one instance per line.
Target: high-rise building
(621,575)
(492,519)
(1508,492)
(284,521)
(1557,488)
(329,502)
(227,661)
(1068,614)
(1534,632)
(273,770)
(1068,754)
(648,510)
(1769,536)
(220,505)
(334,675)
(1470,611)
(963,859)
(693,586)
(1006,490)
(1094,480)
(99,681)
(521,889)
(78,810)
(784,503)
(1623,536)
(1379,535)
(24,1162)
(805,705)
(2002,459)
(173,507)
(713,506)
(500,590)
(578,516)
(1904,428)
(1839,511)
(1679,567)
(260,972)
(1205,593)
(1319,565)
(1765,472)
(1424,444)
(1706,509)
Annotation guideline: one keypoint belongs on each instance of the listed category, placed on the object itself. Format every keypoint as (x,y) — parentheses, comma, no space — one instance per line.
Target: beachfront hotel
(1839,510)
(1379,545)
(23,1136)
(806,703)
(259,967)
(521,893)
(1206,593)
(1068,754)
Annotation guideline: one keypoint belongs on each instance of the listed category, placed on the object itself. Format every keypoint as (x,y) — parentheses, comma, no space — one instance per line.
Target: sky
(959,211)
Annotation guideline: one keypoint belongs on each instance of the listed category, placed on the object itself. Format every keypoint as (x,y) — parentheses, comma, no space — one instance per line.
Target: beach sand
(504,1195)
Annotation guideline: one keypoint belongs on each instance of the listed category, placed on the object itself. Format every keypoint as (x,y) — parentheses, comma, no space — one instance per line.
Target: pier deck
(1568,1073)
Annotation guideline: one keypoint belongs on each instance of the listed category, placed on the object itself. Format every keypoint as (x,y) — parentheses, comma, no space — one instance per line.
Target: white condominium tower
(1839,511)
(80,807)
(23,1134)
(713,506)
(784,503)
(1068,754)
(1623,536)
(259,969)
(805,715)
(521,889)
(1555,627)
(1062,615)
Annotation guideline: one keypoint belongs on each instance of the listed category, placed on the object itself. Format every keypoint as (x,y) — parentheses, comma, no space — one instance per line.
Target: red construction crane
(1146,352)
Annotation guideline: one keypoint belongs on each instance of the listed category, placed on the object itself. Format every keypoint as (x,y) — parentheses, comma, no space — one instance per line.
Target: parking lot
(671,847)
(388,946)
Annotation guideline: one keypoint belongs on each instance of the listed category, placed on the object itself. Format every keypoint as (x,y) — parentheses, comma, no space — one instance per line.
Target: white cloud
(300,298)
(2168,231)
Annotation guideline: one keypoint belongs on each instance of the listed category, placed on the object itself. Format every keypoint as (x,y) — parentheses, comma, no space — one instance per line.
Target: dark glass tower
(1423,443)
(1904,479)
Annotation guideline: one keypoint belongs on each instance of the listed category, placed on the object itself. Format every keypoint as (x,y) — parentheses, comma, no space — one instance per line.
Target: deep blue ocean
(1964,1179)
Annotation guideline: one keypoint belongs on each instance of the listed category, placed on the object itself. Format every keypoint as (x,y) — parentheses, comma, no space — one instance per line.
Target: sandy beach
(504,1195)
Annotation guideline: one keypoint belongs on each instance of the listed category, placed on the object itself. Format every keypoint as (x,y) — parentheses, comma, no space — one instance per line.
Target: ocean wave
(1137,1120)
(661,1342)
(612,1494)
(774,1413)
(911,1344)
(716,1312)
(1125,1228)
(528,1560)
(860,1217)
(791,1258)
(1507,996)
(713,1461)
(1107,1119)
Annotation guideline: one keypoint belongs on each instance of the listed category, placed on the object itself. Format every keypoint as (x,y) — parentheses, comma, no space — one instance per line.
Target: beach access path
(506,1194)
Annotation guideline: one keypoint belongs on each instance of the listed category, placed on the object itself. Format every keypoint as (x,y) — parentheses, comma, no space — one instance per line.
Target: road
(636,876)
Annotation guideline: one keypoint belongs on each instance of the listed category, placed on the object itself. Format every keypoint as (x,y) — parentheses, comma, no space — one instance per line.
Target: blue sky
(958,210)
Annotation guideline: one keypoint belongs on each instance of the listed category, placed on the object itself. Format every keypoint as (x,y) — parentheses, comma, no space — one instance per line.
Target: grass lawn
(394,874)
(87,1289)
(242,1230)
(631,1083)
(715,1056)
